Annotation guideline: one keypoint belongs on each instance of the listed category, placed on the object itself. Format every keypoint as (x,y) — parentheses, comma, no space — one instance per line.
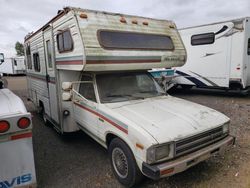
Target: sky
(19,17)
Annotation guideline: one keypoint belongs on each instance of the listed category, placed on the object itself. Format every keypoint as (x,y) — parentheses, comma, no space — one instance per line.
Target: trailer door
(50,74)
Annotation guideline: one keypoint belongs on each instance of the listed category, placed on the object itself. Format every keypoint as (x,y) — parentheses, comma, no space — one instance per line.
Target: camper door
(50,73)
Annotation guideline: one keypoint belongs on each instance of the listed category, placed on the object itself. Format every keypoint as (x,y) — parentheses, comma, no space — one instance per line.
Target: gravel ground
(78,161)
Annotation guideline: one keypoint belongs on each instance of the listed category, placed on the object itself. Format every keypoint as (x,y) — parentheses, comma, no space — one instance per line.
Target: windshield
(118,87)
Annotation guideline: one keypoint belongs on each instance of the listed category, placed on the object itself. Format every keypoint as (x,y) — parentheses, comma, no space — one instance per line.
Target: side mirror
(66,96)
(66,86)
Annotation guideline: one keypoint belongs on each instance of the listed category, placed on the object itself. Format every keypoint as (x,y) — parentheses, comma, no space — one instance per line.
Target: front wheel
(123,163)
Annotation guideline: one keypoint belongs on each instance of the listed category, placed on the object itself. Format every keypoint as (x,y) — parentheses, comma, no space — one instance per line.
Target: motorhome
(13,66)
(218,56)
(88,70)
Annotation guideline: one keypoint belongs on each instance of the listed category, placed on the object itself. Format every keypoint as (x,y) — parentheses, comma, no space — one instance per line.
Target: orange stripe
(73,62)
(103,117)
(19,136)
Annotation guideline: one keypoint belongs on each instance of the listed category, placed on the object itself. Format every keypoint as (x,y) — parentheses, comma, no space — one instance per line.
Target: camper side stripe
(103,117)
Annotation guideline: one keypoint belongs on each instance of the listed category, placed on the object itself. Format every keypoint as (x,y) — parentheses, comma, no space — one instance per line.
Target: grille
(198,141)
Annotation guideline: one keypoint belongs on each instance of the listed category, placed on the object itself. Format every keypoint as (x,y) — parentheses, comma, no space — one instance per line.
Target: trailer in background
(17,168)
(218,56)
(13,66)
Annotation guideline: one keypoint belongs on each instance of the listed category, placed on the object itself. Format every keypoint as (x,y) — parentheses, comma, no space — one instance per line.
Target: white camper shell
(13,66)
(218,56)
(87,70)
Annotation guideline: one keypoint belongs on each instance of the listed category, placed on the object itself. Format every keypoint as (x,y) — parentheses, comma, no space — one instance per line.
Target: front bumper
(180,164)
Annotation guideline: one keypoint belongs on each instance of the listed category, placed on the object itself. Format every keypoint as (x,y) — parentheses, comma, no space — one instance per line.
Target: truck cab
(145,130)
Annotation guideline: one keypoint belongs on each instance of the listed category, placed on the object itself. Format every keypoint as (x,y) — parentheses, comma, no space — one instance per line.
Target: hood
(170,119)
(10,103)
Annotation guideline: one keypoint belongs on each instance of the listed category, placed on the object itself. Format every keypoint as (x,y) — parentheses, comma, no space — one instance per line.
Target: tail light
(23,123)
(4,126)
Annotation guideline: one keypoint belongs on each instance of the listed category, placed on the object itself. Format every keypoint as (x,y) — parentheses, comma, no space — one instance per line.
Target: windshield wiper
(125,95)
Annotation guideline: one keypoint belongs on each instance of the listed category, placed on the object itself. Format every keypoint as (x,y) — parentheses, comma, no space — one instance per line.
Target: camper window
(64,41)
(134,41)
(49,54)
(28,54)
(202,39)
(87,88)
(36,62)
(248,47)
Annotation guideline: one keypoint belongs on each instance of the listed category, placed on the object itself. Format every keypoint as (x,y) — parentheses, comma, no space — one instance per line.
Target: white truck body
(16,149)
(100,84)
(13,66)
(218,55)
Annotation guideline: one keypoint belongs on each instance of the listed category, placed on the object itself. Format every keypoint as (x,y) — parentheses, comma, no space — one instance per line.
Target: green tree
(19,48)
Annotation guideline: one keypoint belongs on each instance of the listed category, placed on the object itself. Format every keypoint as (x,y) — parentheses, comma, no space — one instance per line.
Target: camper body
(218,56)
(88,70)
(13,66)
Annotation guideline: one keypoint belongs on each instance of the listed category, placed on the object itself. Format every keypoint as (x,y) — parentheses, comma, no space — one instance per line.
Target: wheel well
(235,85)
(109,138)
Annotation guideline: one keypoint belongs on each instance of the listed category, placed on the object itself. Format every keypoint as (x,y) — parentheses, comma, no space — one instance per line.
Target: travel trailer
(218,56)
(17,158)
(13,66)
(88,70)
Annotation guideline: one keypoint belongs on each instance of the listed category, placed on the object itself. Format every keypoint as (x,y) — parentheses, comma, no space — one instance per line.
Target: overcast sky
(18,17)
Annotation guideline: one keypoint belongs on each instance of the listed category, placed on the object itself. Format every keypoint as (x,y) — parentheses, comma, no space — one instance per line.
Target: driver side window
(86,89)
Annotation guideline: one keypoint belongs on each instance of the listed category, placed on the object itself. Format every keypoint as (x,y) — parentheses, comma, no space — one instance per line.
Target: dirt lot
(78,161)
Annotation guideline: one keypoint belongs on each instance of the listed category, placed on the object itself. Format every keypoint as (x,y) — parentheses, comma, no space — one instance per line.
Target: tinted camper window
(248,47)
(28,55)
(64,41)
(131,40)
(202,39)
(36,62)
(49,53)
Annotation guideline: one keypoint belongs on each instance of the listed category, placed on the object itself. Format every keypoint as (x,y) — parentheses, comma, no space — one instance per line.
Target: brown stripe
(74,62)
(123,61)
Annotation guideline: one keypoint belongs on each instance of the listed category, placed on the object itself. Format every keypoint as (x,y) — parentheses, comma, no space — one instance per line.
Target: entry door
(50,74)
(247,66)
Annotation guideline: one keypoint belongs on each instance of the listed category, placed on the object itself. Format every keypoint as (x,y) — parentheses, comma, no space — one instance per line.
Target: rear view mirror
(66,86)
(1,58)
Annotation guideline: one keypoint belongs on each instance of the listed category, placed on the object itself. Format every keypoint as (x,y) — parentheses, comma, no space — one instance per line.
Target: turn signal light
(23,123)
(4,126)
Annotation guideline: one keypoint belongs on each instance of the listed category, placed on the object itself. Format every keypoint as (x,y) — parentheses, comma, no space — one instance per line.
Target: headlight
(159,153)
(225,128)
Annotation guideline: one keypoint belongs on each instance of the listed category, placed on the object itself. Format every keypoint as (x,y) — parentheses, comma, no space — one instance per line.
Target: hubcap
(120,162)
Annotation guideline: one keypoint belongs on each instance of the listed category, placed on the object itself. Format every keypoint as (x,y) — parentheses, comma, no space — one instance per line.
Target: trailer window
(86,89)
(64,41)
(202,39)
(49,54)
(134,41)
(28,55)
(248,47)
(36,62)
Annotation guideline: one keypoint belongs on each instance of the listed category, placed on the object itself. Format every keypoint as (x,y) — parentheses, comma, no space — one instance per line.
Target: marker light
(23,123)
(4,126)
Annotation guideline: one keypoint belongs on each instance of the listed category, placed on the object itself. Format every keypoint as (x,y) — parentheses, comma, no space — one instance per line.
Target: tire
(123,163)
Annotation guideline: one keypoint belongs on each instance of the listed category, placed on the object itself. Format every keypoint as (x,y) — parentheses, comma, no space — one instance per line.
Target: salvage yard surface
(78,161)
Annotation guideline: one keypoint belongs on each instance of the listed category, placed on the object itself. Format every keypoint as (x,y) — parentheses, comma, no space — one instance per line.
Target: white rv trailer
(218,56)
(13,66)
(16,149)
(87,70)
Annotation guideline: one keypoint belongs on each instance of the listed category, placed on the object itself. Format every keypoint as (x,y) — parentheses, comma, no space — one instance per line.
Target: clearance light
(167,171)
(145,23)
(23,123)
(123,20)
(83,16)
(134,22)
(4,126)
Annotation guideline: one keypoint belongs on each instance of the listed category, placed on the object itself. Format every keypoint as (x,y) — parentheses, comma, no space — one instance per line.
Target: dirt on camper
(76,160)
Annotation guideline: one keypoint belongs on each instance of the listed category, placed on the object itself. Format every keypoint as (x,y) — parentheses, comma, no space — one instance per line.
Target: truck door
(50,74)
